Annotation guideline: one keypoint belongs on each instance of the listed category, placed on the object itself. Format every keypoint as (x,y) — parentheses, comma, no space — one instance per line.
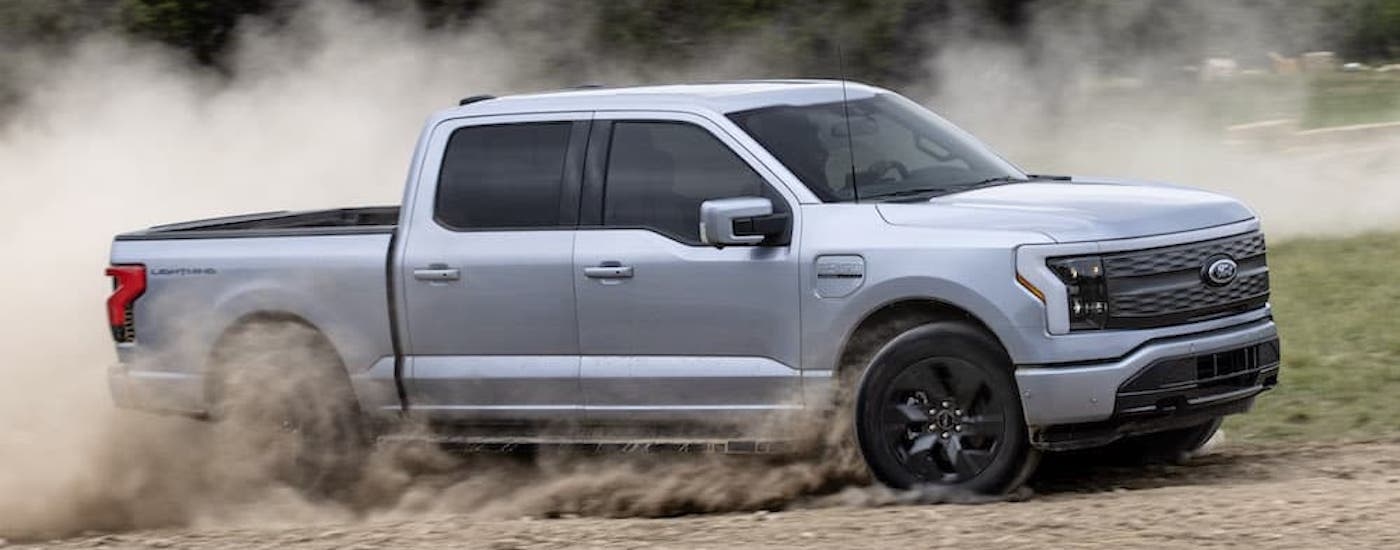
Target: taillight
(129,283)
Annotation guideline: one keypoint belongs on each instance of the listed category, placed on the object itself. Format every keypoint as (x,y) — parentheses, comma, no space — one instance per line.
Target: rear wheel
(938,405)
(283,401)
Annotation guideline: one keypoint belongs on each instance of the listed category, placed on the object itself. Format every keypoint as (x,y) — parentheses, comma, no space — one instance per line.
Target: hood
(1074,211)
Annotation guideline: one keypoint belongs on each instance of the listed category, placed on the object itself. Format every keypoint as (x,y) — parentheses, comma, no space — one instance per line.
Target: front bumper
(1113,392)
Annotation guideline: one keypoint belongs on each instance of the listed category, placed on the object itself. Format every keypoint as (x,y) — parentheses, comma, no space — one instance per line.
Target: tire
(938,405)
(281,399)
(1172,446)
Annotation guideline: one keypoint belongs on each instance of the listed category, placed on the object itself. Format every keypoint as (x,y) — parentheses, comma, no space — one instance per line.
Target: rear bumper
(1119,394)
(156,391)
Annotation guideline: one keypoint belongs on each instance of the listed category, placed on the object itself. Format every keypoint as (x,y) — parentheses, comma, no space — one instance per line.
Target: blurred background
(885,41)
(1185,90)
(121,114)
(124,113)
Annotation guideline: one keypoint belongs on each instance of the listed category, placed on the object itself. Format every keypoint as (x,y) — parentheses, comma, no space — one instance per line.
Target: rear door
(679,329)
(488,307)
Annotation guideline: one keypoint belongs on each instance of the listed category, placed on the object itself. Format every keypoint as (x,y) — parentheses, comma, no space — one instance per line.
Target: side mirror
(740,221)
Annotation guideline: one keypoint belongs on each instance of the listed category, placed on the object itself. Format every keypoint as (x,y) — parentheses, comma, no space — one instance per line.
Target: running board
(600,445)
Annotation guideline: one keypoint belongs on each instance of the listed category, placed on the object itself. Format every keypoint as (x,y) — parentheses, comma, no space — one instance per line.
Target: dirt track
(1344,495)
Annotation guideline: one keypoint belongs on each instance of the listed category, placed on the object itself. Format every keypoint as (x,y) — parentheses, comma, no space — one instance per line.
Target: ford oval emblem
(1220,271)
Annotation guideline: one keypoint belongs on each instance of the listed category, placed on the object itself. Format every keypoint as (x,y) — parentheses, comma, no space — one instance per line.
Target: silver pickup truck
(685,263)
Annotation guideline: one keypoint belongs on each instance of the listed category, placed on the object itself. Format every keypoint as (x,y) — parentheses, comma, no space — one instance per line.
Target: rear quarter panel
(198,288)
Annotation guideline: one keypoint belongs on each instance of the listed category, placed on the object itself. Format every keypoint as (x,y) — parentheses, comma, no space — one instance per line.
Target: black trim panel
(574,160)
(257,233)
(595,173)
(334,221)
(1179,381)
(1192,316)
(400,385)
(1069,437)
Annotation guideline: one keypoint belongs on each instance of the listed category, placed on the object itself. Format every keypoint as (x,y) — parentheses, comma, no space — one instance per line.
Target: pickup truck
(684,263)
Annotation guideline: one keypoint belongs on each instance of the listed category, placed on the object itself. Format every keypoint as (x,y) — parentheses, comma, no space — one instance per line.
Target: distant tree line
(882,40)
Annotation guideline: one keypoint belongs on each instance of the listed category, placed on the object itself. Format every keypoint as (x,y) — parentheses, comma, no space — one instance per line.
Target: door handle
(437,272)
(609,270)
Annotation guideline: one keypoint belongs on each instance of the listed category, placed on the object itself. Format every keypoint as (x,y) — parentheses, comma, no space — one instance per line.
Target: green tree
(52,22)
(201,27)
(1366,29)
(879,39)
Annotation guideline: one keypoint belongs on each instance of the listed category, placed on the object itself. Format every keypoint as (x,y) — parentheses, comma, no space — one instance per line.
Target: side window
(504,176)
(660,172)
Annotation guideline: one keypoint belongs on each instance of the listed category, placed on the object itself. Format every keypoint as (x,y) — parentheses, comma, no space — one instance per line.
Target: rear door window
(503,176)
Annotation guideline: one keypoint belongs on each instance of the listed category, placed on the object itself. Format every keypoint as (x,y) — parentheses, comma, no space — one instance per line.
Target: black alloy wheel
(938,405)
(942,419)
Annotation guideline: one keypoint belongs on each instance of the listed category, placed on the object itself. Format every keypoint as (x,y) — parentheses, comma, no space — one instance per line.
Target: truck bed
(326,268)
(336,221)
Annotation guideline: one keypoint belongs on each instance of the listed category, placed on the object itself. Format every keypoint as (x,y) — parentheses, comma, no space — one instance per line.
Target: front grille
(1187,256)
(1164,286)
(1185,381)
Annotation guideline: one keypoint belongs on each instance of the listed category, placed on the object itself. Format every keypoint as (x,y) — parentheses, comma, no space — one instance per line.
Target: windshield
(899,149)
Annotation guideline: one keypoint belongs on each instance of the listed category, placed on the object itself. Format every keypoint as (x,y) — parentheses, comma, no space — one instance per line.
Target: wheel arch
(265,316)
(253,318)
(894,316)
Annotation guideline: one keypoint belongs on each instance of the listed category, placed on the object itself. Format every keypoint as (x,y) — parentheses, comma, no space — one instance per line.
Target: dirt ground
(1314,495)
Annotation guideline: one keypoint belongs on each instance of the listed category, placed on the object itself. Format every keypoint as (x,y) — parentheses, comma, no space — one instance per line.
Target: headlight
(1087,290)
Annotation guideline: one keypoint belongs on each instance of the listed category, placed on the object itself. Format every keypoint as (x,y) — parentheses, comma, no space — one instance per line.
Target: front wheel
(938,405)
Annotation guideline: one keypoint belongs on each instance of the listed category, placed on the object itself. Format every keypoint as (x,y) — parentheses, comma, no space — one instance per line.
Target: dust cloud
(1046,102)
(113,136)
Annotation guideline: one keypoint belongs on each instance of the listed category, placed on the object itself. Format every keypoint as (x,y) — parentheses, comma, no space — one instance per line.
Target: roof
(722,97)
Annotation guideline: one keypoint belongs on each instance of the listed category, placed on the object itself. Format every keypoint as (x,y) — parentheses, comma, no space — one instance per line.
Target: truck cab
(691,262)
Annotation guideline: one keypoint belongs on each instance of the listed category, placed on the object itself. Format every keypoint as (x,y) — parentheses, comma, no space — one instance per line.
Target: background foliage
(884,40)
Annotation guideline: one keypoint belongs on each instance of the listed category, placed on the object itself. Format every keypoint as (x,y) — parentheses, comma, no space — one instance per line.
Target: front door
(487,271)
(669,327)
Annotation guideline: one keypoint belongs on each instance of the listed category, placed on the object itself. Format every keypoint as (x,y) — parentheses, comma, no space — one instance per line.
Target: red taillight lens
(130,284)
